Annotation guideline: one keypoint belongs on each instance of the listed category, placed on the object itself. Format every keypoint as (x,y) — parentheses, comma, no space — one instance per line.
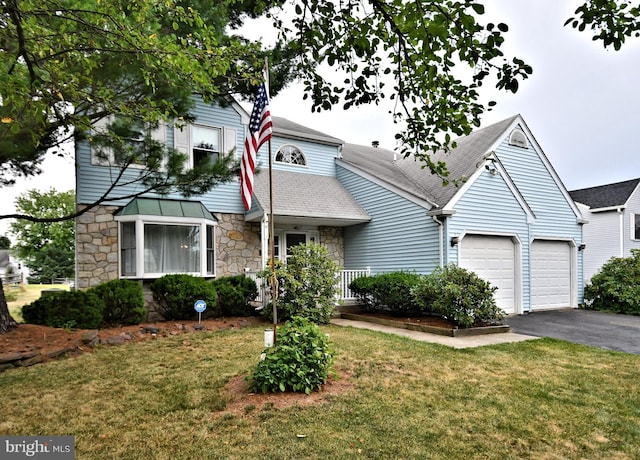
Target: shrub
(123,302)
(458,295)
(307,285)
(82,309)
(362,288)
(235,294)
(388,291)
(300,360)
(616,287)
(177,294)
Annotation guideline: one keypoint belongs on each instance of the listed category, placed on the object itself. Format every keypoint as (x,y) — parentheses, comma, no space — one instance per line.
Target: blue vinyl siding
(320,158)
(555,218)
(400,235)
(490,207)
(93,180)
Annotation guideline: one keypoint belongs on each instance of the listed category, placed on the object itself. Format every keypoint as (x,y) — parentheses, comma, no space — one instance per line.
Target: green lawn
(27,293)
(541,399)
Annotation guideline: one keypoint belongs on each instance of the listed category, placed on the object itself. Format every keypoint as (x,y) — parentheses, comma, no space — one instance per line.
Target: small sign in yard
(200,306)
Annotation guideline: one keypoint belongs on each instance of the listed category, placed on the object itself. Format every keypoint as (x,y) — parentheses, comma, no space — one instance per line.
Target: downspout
(621,214)
(440,239)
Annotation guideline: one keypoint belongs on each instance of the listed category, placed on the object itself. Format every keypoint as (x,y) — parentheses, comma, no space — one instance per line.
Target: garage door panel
(493,259)
(550,274)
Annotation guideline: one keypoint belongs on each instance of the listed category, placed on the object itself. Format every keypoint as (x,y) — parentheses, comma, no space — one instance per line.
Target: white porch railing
(345,278)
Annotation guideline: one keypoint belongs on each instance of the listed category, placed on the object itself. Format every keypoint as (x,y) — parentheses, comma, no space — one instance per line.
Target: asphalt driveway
(594,328)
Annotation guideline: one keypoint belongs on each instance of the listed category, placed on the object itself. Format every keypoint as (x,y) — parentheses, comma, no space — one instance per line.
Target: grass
(27,293)
(542,399)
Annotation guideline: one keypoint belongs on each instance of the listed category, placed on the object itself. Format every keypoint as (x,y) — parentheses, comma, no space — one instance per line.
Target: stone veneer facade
(96,246)
(237,245)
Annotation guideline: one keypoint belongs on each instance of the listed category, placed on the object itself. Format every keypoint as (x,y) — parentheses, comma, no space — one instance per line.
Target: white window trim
(183,140)
(311,235)
(159,134)
(275,155)
(142,220)
(632,227)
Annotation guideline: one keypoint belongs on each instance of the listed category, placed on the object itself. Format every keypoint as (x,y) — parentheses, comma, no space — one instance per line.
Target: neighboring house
(512,220)
(10,267)
(613,212)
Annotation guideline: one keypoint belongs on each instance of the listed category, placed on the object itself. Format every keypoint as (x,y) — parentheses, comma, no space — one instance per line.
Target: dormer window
(291,154)
(518,139)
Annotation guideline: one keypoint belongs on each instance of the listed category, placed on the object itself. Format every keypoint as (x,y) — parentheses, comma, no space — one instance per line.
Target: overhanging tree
(67,65)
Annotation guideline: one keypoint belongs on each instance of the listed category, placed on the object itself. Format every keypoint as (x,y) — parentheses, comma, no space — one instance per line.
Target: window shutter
(230,141)
(160,133)
(99,127)
(181,139)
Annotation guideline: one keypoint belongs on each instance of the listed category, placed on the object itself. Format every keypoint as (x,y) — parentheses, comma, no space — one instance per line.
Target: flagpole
(272,262)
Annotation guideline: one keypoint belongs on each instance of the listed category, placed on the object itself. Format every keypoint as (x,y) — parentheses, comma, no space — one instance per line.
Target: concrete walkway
(454,342)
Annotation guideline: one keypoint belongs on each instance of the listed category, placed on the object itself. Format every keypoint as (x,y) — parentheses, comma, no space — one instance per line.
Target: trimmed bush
(458,295)
(81,309)
(307,285)
(362,288)
(235,294)
(616,287)
(123,302)
(300,360)
(176,295)
(388,292)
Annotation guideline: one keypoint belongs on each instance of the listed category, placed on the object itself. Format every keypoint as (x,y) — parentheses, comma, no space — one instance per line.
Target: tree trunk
(6,321)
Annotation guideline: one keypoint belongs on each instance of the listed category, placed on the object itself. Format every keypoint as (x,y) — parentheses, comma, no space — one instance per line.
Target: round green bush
(235,294)
(177,294)
(69,309)
(307,285)
(123,302)
(616,287)
(300,360)
(458,295)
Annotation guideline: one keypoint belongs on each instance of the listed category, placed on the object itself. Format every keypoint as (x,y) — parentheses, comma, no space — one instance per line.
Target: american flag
(260,129)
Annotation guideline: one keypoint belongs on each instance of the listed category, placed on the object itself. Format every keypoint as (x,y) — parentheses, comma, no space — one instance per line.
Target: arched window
(518,139)
(290,154)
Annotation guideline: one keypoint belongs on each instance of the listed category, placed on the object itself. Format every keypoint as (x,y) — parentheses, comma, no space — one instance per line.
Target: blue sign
(200,306)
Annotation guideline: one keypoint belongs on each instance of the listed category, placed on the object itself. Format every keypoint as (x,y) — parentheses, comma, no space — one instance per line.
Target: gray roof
(412,177)
(288,128)
(606,196)
(298,197)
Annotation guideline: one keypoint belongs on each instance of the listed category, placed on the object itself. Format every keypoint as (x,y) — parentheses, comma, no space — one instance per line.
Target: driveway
(594,328)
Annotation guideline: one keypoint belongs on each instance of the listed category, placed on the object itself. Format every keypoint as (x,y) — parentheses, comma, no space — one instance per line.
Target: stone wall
(238,245)
(97,246)
(332,238)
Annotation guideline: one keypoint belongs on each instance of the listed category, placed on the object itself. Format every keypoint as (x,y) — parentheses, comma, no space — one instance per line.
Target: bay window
(153,245)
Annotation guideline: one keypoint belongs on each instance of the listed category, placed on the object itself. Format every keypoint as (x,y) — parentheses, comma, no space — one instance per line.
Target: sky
(582,103)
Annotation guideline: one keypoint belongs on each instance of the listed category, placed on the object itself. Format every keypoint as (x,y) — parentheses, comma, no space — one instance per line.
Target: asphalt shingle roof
(288,128)
(409,175)
(606,196)
(308,196)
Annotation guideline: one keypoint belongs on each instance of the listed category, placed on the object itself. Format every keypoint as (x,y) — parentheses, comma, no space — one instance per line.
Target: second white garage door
(550,274)
(492,258)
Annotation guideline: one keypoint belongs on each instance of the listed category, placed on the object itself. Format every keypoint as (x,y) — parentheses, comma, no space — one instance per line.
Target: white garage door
(492,258)
(550,274)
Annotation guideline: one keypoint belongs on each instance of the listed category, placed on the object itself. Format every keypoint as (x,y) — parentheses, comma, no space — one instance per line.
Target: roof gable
(606,196)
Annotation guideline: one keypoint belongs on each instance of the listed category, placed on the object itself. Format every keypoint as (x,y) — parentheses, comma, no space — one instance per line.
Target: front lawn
(166,399)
